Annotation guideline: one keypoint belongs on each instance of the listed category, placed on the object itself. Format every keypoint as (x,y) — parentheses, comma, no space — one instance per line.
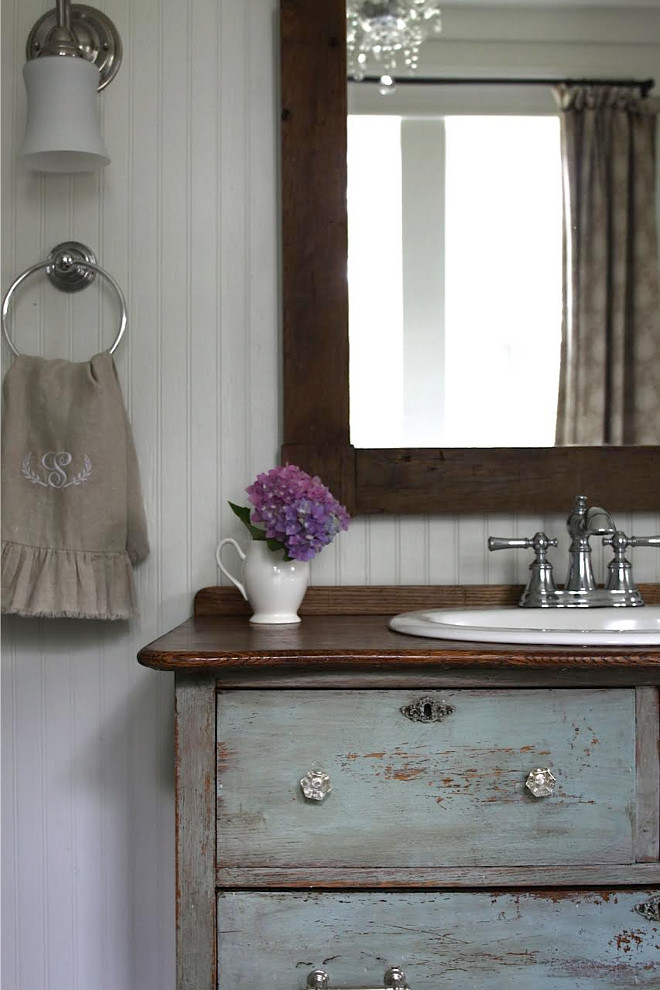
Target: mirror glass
(455,227)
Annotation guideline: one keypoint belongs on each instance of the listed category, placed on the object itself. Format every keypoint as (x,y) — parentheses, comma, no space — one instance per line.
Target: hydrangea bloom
(298,512)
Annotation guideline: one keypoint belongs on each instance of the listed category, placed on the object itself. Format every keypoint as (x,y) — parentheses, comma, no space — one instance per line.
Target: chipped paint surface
(451,940)
(628,940)
(407,793)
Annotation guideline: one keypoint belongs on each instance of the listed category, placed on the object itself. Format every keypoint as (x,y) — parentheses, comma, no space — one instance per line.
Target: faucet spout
(582,524)
(598,522)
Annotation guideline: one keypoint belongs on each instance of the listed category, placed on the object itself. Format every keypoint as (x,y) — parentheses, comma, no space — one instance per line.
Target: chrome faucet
(580,589)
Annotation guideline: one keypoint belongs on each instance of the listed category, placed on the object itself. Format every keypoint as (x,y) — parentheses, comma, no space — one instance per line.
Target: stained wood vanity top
(219,637)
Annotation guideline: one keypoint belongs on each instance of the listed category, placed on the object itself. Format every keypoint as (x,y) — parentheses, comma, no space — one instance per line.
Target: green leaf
(243,514)
(277,545)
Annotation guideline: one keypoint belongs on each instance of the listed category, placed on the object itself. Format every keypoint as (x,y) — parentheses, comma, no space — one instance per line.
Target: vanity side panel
(540,940)
(647,832)
(195,721)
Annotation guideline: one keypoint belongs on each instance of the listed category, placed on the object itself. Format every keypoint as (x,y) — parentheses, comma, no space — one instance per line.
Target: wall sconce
(72,52)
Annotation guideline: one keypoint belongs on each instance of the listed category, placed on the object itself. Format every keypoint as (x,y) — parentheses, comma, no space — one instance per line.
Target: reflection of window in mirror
(455,257)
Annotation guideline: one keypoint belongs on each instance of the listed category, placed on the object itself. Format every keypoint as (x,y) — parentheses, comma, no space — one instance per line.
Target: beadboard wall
(185,218)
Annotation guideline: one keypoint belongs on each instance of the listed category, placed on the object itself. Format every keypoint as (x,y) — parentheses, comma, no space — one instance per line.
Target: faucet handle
(644,541)
(539,543)
(541,586)
(620,542)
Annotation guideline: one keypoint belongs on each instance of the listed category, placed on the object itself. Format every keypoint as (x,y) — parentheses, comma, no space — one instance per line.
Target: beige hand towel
(73,521)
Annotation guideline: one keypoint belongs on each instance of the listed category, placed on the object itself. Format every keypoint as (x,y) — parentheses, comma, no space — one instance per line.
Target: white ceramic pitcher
(274,587)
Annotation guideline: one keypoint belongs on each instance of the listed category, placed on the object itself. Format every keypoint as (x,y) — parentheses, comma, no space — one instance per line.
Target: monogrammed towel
(73,522)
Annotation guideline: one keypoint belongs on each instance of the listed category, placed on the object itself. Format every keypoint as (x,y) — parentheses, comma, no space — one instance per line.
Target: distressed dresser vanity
(358,808)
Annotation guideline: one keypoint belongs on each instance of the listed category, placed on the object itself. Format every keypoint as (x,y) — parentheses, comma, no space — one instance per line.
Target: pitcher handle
(218,557)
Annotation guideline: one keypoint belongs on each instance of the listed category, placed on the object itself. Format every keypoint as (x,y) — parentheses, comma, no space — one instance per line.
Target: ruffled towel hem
(75,584)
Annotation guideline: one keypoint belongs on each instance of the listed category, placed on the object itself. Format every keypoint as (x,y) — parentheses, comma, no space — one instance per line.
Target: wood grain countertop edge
(347,627)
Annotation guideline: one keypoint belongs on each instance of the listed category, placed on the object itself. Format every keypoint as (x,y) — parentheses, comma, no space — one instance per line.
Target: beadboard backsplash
(185,218)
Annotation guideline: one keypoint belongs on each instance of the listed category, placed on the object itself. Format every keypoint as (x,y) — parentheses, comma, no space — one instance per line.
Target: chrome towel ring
(70,267)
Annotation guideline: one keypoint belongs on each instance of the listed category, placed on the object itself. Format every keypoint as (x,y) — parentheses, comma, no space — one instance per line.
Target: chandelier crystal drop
(385,35)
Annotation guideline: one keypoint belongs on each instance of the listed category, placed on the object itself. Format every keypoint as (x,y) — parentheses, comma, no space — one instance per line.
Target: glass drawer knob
(541,782)
(316,785)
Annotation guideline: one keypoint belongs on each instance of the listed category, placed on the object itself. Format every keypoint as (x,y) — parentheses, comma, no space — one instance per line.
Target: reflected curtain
(609,391)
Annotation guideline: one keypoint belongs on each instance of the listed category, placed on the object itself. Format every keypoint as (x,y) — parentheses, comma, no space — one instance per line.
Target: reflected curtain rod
(645,85)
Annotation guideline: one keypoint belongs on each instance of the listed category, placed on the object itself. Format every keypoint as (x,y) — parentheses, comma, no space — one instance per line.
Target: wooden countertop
(221,641)
(214,642)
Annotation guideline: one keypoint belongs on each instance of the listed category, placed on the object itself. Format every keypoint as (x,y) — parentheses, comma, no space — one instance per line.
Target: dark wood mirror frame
(315,332)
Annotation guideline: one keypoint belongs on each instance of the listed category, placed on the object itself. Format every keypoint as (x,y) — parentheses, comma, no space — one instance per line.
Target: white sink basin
(545,626)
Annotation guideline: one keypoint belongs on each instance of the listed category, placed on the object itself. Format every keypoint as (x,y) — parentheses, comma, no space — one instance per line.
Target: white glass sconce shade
(62,132)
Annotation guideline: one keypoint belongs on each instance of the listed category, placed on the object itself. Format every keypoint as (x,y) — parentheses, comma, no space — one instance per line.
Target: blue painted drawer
(560,940)
(410,794)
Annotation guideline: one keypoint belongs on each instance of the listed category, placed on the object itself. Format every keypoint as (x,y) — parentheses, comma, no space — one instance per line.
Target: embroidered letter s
(54,463)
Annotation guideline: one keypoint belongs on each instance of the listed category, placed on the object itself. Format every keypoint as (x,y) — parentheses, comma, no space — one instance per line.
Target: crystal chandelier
(387,33)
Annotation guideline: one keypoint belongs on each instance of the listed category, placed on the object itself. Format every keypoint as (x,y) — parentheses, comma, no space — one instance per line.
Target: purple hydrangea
(297,511)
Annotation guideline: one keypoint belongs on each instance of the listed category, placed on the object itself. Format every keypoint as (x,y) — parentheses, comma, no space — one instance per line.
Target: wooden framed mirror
(315,332)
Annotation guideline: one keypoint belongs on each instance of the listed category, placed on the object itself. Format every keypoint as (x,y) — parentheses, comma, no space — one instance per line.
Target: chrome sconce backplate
(94,34)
